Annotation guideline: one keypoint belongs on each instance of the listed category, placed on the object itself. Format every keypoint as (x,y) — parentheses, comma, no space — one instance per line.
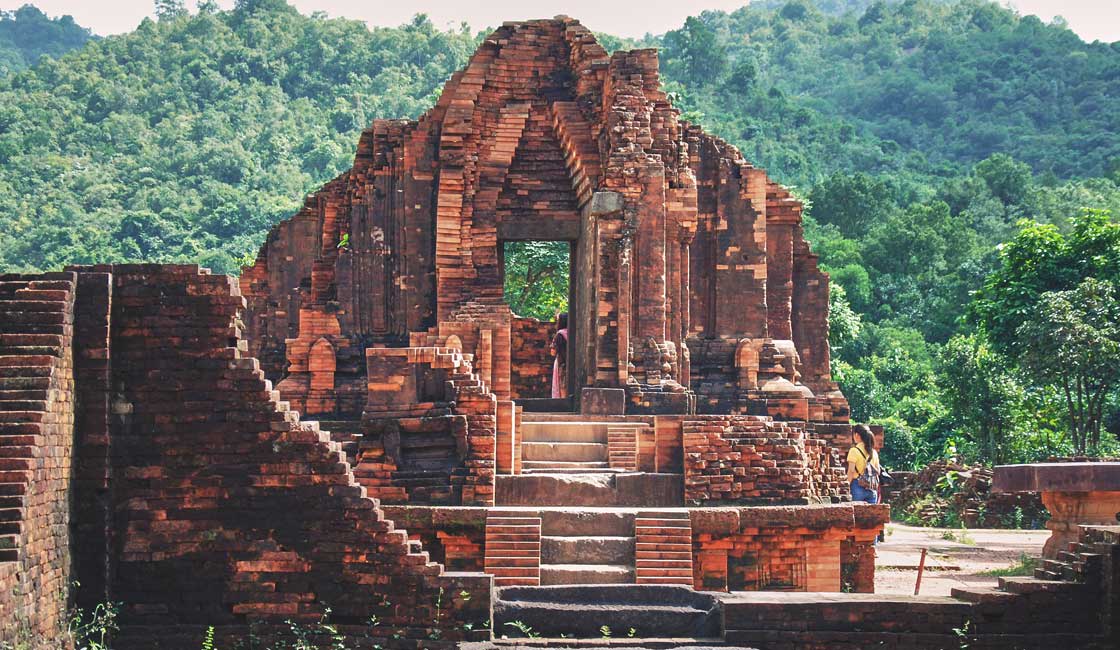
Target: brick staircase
(663,548)
(513,547)
(36,320)
(622,448)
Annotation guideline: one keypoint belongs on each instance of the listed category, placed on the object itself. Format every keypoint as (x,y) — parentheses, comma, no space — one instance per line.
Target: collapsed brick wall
(756,460)
(455,537)
(36,449)
(945,492)
(230,510)
(531,365)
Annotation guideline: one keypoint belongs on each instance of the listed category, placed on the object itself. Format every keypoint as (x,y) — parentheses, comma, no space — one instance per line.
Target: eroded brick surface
(36,450)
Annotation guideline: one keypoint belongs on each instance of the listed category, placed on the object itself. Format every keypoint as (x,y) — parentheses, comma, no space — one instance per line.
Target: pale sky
(1091,19)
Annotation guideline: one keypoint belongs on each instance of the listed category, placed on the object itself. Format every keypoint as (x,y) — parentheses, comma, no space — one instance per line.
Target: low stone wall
(823,548)
(755,460)
(37,427)
(1077,610)
(531,363)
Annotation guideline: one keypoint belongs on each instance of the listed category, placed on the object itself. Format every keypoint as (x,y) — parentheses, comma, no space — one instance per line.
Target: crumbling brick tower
(693,287)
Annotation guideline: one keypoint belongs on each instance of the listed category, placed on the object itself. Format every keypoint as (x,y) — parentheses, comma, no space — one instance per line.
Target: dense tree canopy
(950,152)
(27,34)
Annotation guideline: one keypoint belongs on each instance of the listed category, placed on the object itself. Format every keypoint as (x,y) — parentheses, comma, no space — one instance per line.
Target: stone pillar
(782,216)
(650,255)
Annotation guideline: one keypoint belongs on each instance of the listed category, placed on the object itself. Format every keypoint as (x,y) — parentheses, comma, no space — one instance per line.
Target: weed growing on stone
(961,536)
(524,629)
(1024,567)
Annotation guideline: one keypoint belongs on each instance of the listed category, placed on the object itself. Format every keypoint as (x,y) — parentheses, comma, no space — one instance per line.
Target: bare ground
(956,557)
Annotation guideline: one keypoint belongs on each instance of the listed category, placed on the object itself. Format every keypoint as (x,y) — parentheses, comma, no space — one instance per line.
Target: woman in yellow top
(865,484)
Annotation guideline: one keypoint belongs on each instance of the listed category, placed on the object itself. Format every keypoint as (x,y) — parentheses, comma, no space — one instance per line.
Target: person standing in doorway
(559,351)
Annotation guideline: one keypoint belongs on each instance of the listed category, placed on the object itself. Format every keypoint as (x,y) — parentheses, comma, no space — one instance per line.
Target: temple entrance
(537,285)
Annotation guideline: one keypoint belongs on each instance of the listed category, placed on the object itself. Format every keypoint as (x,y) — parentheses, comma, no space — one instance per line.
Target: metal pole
(921,569)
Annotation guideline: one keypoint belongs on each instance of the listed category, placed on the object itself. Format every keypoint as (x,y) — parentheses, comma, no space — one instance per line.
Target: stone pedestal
(1076,494)
(1069,510)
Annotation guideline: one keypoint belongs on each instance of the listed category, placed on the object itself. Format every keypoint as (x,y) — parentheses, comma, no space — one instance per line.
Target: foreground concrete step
(580,611)
(619,643)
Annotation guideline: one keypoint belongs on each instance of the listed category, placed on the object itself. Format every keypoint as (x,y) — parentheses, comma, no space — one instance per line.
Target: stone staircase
(1061,584)
(574,447)
(35,331)
(587,547)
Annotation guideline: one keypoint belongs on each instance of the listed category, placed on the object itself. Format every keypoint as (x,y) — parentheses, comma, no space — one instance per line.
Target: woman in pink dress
(559,351)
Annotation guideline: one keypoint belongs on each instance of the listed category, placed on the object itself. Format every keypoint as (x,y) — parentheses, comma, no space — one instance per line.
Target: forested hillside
(27,34)
(919,132)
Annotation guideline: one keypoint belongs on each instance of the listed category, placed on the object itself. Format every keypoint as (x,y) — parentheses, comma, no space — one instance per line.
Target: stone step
(1026,585)
(565,467)
(13,488)
(24,384)
(564,452)
(652,611)
(53,351)
(22,416)
(563,432)
(590,489)
(586,574)
(980,595)
(21,395)
(587,550)
(576,522)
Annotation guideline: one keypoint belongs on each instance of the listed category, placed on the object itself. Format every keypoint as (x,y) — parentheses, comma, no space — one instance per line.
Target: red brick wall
(531,364)
(228,508)
(37,426)
(755,460)
(784,548)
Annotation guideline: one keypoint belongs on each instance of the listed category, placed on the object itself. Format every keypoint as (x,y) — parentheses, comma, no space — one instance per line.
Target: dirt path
(955,558)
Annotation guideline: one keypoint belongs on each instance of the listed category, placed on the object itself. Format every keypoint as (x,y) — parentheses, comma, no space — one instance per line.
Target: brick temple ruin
(358,423)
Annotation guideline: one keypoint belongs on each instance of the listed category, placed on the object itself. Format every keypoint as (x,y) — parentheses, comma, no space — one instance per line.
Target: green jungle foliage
(27,34)
(536,277)
(944,148)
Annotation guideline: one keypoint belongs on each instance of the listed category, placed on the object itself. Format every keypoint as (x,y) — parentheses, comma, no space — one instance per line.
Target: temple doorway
(537,285)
